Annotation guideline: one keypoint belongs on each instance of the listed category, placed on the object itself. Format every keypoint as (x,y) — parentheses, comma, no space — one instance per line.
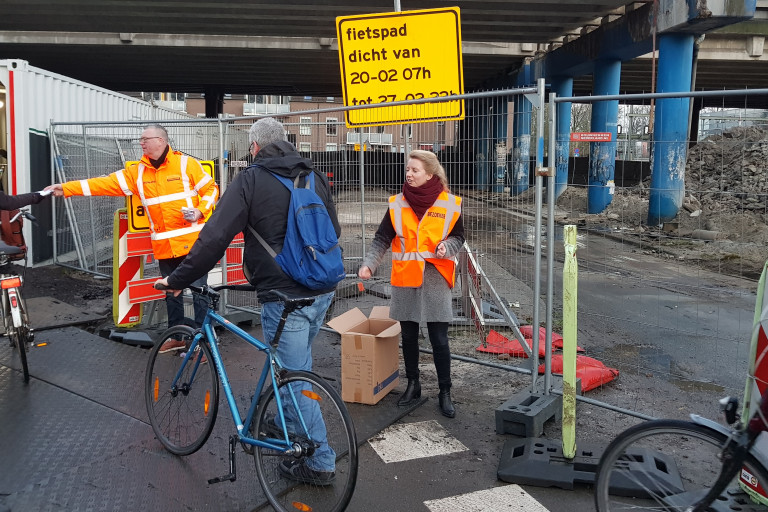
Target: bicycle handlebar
(24,214)
(212,291)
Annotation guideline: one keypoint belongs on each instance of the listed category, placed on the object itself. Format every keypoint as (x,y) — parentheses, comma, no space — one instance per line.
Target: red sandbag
(527,331)
(557,339)
(498,344)
(593,373)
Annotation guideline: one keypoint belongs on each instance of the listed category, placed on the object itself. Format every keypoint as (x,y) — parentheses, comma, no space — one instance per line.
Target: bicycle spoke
(182,410)
(665,465)
(292,482)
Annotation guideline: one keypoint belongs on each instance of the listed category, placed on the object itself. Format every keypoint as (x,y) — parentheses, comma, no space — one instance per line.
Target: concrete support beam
(227,41)
(670,129)
(631,35)
(602,164)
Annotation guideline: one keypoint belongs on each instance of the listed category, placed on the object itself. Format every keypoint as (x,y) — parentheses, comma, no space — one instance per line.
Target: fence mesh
(670,303)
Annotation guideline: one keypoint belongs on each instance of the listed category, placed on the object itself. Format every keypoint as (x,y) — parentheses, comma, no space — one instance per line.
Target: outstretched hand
(56,189)
(364,273)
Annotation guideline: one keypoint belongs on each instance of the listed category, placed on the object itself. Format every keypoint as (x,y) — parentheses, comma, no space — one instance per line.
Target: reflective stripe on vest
(86,188)
(410,253)
(187,195)
(165,235)
(123,182)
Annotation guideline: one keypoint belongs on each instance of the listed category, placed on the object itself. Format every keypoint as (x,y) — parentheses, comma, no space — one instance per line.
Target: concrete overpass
(290,47)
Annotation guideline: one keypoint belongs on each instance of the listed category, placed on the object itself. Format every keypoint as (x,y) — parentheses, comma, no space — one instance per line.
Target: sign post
(401,56)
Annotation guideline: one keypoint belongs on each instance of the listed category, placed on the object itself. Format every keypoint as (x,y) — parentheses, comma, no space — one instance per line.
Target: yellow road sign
(137,215)
(401,56)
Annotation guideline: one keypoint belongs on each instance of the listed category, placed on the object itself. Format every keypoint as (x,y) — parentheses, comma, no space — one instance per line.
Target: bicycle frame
(271,367)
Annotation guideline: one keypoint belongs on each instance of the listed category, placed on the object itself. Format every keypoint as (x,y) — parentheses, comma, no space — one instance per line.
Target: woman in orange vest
(425,231)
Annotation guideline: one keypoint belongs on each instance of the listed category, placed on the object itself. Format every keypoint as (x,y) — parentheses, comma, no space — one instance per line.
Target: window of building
(330,126)
(150,96)
(305,147)
(329,99)
(331,146)
(175,96)
(305,128)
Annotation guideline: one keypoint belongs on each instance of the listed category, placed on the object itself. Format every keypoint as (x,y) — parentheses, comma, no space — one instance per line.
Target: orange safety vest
(163,192)
(416,240)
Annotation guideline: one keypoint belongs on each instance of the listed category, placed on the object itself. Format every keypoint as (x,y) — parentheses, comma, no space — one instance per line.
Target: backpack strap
(263,242)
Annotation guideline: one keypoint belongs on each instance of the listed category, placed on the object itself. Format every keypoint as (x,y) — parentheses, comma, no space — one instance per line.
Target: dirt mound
(722,223)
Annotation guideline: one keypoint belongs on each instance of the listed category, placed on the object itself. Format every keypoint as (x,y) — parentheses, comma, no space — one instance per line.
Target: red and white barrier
(129,287)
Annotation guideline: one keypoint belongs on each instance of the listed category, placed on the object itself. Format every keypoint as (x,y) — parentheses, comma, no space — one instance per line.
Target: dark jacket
(19,201)
(255,198)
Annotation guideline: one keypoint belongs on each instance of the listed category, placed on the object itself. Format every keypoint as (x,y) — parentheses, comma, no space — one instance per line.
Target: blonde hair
(431,165)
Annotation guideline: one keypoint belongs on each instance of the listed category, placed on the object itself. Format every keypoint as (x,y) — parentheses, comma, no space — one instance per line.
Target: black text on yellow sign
(401,56)
(137,214)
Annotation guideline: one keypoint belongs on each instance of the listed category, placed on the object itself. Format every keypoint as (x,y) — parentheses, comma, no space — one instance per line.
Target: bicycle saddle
(9,249)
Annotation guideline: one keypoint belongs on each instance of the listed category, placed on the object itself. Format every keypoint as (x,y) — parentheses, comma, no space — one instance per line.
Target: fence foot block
(525,413)
(540,462)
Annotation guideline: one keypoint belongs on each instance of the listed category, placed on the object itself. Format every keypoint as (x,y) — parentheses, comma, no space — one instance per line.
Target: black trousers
(175,305)
(441,351)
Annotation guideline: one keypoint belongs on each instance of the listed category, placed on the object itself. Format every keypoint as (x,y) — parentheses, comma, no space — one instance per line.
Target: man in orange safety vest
(176,194)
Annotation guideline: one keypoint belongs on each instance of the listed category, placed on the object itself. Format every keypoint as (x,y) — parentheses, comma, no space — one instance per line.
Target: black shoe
(299,471)
(411,394)
(446,406)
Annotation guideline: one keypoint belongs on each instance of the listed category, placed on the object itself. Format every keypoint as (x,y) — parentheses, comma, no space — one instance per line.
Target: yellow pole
(570,292)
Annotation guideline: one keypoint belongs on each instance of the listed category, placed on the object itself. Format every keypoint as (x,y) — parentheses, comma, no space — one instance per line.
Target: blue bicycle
(294,419)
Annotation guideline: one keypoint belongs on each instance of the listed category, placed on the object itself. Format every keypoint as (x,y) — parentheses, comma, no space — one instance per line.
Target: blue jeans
(175,305)
(295,353)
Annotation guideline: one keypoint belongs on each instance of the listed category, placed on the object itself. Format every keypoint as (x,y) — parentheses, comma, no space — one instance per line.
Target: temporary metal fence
(650,304)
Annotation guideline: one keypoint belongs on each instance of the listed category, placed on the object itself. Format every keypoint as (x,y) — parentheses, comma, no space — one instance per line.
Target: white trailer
(30,99)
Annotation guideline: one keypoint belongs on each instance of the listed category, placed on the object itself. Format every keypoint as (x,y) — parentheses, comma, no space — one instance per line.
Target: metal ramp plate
(77,436)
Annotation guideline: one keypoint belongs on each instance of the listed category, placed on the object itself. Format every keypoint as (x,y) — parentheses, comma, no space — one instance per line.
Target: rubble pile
(729,171)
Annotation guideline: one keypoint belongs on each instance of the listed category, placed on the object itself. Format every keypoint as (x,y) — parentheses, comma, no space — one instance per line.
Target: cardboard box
(369,354)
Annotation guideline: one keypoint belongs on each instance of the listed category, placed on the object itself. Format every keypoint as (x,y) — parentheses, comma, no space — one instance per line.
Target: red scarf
(421,198)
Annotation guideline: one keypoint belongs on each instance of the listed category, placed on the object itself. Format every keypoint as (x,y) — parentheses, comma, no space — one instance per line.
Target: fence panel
(669,306)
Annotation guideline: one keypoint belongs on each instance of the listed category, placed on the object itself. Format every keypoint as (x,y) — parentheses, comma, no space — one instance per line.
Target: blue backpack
(311,254)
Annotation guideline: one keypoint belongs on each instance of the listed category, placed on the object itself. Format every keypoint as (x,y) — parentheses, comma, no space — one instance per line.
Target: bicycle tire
(666,465)
(181,417)
(283,492)
(19,336)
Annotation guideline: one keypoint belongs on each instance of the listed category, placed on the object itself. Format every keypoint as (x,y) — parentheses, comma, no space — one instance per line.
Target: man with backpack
(260,204)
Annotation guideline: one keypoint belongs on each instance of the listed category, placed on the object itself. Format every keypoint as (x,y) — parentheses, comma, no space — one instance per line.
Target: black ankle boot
(446,406)
(411,394)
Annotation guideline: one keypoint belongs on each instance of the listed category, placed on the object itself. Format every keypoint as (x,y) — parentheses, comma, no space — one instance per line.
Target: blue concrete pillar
(670,128)
(563,87)
(602,155)
(521,133)
(482,129)
(499,148)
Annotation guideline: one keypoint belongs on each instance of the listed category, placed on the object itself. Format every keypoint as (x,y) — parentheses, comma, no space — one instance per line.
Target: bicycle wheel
(19,336)
(182,414)
(666,465)
(333,440)
(19,339)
